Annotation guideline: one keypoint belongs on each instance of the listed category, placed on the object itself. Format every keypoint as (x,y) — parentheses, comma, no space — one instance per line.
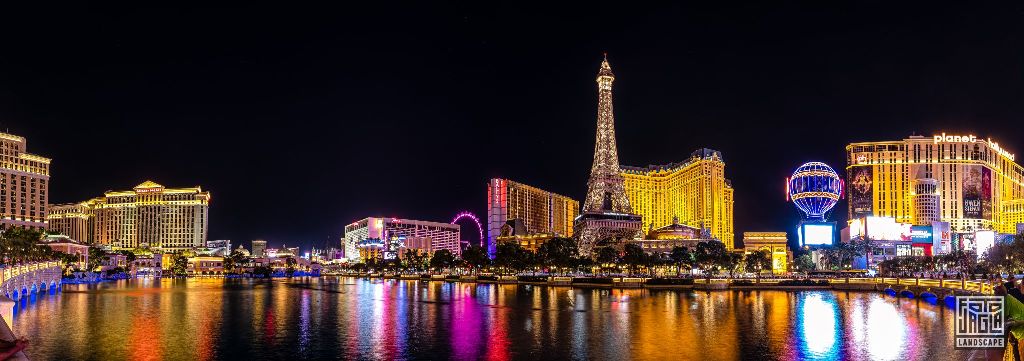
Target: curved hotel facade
(974,183)
(694,192)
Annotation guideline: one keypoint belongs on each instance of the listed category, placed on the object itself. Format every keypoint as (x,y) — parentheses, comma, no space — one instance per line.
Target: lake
(341,318)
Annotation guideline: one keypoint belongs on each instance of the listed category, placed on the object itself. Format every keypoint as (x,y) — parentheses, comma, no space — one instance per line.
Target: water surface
(333,318)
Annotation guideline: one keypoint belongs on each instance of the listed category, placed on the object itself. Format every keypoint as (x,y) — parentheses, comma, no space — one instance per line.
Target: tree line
(560,255)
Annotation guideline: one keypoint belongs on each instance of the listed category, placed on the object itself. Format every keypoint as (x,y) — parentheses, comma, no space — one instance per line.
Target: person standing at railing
(1014,308)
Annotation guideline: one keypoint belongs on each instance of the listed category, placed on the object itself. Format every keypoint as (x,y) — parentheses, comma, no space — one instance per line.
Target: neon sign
(954,138)
(1003,152)
(943,138)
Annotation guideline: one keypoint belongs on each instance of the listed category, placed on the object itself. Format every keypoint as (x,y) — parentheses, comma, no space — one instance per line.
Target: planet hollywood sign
(943,138)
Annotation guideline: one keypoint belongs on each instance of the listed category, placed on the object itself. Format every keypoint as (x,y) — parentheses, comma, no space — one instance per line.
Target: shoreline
(901,287)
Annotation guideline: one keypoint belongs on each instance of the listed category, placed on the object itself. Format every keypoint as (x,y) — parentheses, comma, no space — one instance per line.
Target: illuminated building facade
(66,245)
(775,243)
(663,239)
(259,248)
(531,242)
(538,211)
(927,201)
(978,183)
(149,215)
(695,191)
(73,220)
(24,185)
(388,237)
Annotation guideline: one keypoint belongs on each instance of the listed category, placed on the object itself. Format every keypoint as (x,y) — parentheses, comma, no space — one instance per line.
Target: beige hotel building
(150,215)
(975,183)
(24,181)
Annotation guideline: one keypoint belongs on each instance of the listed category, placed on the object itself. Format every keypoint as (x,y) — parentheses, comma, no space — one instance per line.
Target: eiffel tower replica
(607,217)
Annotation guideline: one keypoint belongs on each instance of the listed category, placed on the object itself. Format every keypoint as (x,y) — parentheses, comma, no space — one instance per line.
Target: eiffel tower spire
(604,189)
(607,217)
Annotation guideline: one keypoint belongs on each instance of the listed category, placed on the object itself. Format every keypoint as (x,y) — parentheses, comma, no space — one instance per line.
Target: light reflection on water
(346,318)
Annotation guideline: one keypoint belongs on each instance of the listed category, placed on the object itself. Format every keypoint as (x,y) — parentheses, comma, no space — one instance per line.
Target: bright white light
(818,234)
(819,325)
(886,331)
(984,240)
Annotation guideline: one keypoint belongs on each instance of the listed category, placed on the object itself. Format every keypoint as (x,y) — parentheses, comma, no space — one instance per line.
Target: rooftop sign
(943,138)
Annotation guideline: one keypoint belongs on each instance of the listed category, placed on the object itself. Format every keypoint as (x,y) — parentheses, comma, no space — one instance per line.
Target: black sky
(301,120)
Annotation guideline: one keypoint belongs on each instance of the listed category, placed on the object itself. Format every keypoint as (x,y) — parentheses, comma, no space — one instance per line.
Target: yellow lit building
(531,242)
(978,183)
(696,191)
(73,220)
(24,181)
(773,242)
(149,215)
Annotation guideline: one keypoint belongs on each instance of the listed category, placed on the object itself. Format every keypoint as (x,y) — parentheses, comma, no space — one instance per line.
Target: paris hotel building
(696,191)
(149,215)
(24,181)
(977,184)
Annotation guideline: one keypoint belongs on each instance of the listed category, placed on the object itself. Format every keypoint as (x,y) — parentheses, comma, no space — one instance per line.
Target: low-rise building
(664,239)
(206,265)
(66,245)
(149,264)
(775,243)
(113,260)
(530,242)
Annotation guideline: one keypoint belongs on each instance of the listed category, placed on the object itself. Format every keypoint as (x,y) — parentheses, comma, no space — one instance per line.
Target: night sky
(302,120)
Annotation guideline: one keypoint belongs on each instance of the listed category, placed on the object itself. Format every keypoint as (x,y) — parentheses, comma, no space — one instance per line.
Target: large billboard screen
(986,193)
(817,234)
(921,234)
(977,192)
(983,241)
(861,191)
(886,229)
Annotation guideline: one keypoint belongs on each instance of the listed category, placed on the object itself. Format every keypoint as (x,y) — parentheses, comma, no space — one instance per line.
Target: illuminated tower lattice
(606,214)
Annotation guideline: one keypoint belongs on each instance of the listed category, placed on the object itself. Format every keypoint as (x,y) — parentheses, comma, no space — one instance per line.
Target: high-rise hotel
(527,211)
(695,192)
(24,181)
(971,182)
(149,215)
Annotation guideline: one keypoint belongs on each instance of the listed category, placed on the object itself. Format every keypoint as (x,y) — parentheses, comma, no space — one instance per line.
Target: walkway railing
(982,287)
(15,271)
